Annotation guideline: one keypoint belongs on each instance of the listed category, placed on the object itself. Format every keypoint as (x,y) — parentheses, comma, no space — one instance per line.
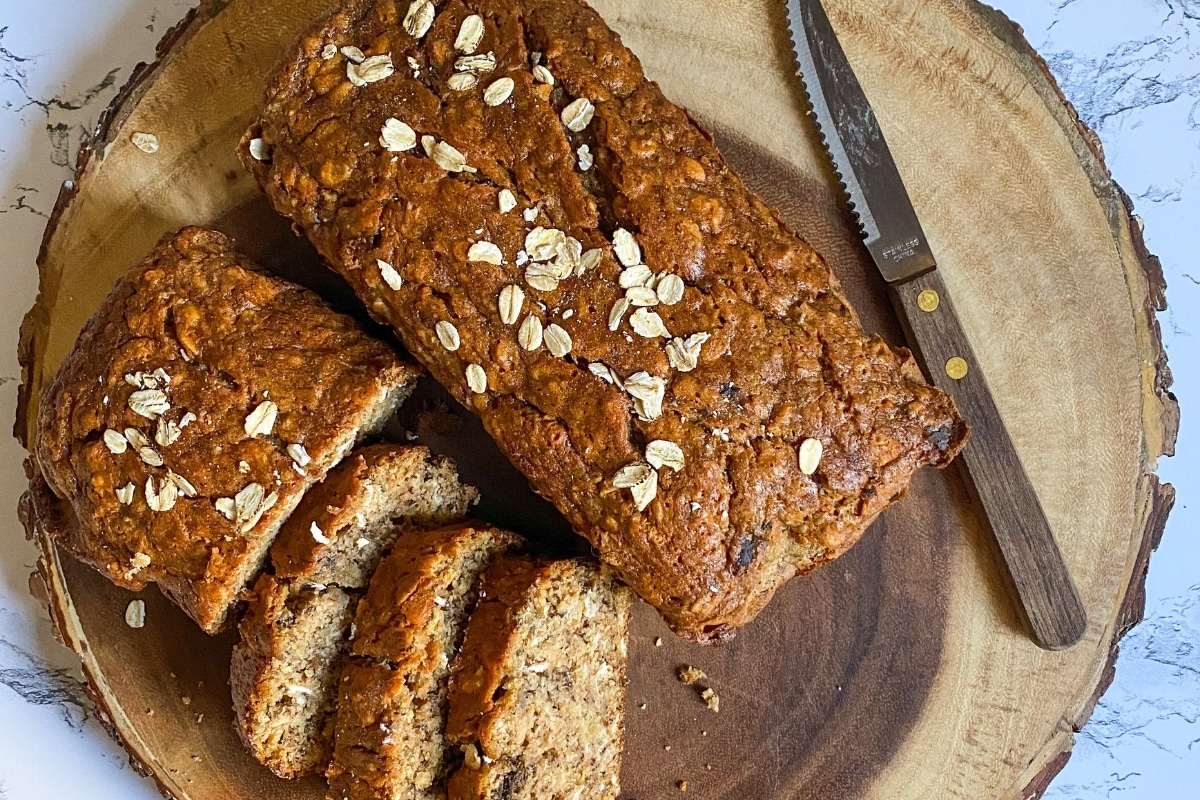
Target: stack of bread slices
(204,432)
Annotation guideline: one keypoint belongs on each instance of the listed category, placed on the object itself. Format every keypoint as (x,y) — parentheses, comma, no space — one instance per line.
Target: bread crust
(392,699)
(785,359)
(197,329)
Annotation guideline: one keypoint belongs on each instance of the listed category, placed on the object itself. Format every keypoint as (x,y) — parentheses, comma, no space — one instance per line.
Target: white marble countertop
(1132,69)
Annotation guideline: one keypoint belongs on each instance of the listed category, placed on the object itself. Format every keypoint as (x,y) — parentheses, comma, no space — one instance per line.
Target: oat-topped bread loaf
(568,253)
(198,405)
(286,667)
(391,713)
(537,697)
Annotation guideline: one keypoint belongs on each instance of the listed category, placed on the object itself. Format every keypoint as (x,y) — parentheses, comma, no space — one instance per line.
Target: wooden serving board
(899,672)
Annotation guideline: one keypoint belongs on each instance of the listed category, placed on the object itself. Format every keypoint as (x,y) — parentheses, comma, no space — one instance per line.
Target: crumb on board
(689,675)
(682,786)
(711,699)
(658,642)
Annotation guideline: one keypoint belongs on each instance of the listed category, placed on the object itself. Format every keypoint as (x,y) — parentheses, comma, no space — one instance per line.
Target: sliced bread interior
(537,698)
(339,535)
(285,669)
(391,712)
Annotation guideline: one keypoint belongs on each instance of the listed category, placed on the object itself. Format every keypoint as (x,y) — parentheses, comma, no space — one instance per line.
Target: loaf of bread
(285,669)
(567,252)
(391,714)
(537,698)
(198,405)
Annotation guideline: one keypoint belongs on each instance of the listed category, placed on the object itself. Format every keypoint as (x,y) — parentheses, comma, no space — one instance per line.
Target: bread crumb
(689,675)
(658,642)
(667,748)
(471,757)
(711,700)
(682,786)
(708,766)
(643,706)
(187,701)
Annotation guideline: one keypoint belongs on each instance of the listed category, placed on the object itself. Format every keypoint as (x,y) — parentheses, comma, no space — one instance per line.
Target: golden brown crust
(227,339)
(786,359)
(392,698)
(409,584)
(481,667)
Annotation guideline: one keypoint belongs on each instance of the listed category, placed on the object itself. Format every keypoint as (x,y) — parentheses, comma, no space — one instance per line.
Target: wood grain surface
(901,671)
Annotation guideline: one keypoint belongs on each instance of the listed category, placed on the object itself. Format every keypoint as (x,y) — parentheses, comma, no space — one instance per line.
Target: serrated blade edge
(820,112)
(855,144)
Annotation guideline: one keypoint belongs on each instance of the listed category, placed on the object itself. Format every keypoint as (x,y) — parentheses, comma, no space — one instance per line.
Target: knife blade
(897,243)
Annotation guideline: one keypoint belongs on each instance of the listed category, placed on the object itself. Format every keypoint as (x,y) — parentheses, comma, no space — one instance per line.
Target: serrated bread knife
(894,237)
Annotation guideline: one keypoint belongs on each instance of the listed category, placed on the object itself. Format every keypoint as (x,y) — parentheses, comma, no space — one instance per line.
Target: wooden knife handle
(1051,603)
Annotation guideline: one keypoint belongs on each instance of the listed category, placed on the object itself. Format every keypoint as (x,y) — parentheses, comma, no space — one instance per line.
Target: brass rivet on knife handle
(928,301)
(957,368)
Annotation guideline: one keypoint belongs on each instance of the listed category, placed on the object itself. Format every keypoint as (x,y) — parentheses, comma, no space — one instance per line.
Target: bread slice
(392,700)
(199,404)
(537,699)
(339,534)
(285,669)
(283,674)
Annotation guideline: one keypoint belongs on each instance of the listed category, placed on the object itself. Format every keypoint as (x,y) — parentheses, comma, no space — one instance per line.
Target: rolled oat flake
(135,614)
